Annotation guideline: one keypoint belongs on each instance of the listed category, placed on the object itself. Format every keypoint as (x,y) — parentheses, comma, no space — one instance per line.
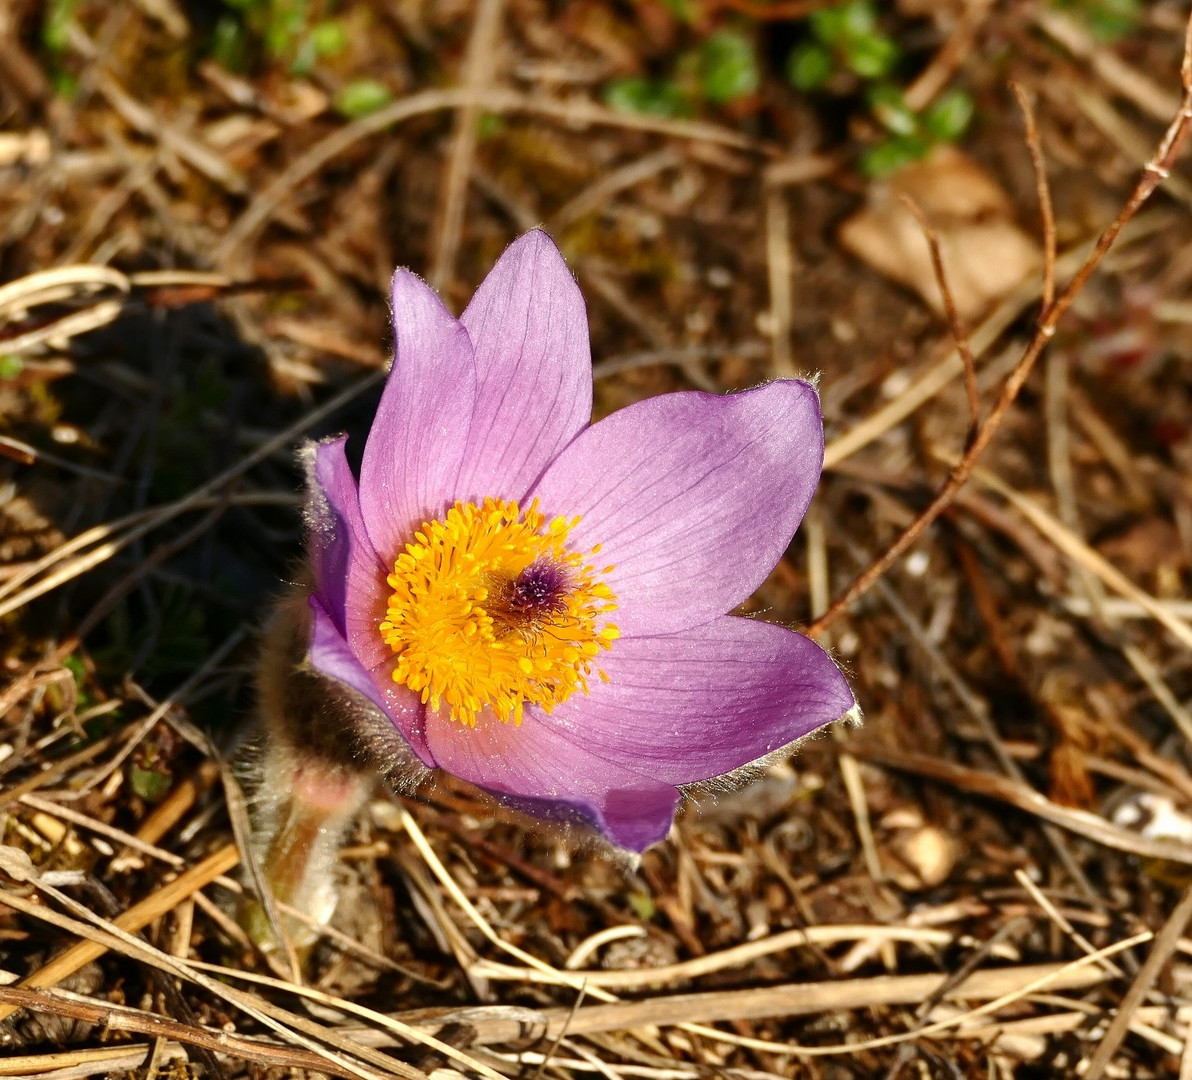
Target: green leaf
(304,57)
(148,783)
(65,85)
(10,367)
(871,57)
(891,111)
(643,905)
(329,37)
(858,19)
(646,97)
(489,125)
(77,669)
(55,30)
(361,98)
(229,44)
(809,66)
(728,67)
(683,10)
(844,22)
(286,20)
(950,115)
(1107,19)
(827,24)
(891,155)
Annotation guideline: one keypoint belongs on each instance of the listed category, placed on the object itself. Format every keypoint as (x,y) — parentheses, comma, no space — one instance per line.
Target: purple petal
(529,328)
(412,458)
(349,576)
(542,768)
(350,594)
(331,655)
(693,497)
(704,702)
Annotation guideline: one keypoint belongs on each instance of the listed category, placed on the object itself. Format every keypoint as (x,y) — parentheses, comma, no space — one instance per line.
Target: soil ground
(917,896)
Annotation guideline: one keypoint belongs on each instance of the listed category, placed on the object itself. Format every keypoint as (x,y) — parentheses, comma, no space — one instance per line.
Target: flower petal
(703,702)
(541,767)
(693,497)
(331,655)
(412,458)
(350,595)
(349,576)
(529,328)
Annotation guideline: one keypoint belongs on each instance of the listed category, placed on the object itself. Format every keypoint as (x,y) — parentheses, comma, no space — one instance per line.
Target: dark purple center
(538,590)
(525,604)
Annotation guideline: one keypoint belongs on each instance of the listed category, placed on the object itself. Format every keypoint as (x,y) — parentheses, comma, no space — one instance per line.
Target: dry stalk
(1042,193)
(265,205)
(120,1018)
(477,73)
(135,918)
(1153,174)
(1023,797)
(959,333)
(1165,945)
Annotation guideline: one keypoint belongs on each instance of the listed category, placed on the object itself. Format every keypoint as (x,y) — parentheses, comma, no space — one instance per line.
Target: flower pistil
(490,609)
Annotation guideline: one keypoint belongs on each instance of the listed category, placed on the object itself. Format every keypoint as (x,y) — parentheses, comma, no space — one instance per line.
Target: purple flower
(538,605)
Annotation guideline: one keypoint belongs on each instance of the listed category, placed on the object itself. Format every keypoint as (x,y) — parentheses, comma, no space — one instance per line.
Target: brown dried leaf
(985,254)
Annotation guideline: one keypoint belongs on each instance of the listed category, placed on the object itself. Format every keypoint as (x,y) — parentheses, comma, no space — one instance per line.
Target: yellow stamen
(469,633)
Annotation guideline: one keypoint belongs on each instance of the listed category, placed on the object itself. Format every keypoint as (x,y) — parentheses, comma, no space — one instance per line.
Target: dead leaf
(16,864)
(985,254)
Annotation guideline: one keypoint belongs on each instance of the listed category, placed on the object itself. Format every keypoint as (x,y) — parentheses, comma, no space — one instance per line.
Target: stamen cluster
(491,609)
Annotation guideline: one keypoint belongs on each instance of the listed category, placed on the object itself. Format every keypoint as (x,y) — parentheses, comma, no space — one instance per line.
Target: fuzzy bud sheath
(312,777)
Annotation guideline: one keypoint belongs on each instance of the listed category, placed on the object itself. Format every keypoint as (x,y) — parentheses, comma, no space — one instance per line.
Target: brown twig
(265,205)
(780,275)
(959,333)
(122,1018)
(1164,945)
(477,72)
(1152,176)
(1042,192)
(1026,798)
(135,918)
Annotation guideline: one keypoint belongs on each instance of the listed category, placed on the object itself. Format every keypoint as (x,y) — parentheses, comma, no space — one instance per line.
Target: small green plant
(846,47)
(361,97)
(728,67)
(55,28)
(721,69)
(55,36)
(150,779)
(647,97)
(1107,19)
(846,37)
(911,135)
(296,33)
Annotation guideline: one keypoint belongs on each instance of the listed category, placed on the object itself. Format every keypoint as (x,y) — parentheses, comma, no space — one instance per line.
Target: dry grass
(990,878)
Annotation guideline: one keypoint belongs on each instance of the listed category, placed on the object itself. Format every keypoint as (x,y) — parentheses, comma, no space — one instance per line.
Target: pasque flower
(537,605)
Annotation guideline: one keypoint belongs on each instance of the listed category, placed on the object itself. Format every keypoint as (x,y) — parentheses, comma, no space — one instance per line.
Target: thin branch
(1043,192)
(959,333)
(122,1018)
(1165,945)
(477,73)
(1153,174)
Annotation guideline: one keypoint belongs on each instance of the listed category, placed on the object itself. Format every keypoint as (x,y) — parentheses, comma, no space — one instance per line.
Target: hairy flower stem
(309,783)
(297,839)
